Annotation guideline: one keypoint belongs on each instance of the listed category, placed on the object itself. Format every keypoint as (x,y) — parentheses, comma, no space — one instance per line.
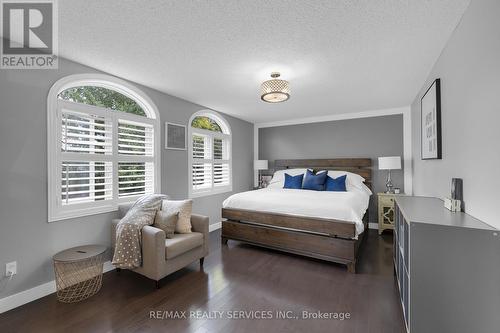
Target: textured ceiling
(339,56)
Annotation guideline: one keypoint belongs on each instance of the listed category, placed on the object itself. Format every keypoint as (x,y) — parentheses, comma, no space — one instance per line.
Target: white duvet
(346,206)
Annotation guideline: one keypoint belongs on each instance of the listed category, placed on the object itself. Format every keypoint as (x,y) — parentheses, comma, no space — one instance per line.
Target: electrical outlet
(11,268)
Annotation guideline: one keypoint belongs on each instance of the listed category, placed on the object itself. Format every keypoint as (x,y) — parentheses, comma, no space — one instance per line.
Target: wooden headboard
(360,166)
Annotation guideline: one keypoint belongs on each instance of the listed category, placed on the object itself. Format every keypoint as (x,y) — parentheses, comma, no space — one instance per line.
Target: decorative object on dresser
(175,136)
(78,272)
(430,122)
(386,211)
(323,238)
(454,203)
(389,163)
(457,189)
(259,165)
(447,269)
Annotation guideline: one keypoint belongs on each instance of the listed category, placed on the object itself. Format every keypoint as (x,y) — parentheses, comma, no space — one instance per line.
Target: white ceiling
(339,56)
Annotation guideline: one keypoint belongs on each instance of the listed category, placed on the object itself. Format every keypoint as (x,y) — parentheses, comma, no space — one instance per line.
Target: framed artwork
(430,123)
(175,136)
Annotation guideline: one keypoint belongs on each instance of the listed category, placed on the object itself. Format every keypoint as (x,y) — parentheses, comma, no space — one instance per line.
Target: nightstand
(386,211)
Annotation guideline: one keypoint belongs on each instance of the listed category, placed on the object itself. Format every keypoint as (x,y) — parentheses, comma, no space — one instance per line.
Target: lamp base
(388,185)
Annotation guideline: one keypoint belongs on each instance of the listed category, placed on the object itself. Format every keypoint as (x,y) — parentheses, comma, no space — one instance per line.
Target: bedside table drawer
(386,200)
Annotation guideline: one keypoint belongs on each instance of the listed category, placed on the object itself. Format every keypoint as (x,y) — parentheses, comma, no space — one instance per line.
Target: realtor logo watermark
(29,31)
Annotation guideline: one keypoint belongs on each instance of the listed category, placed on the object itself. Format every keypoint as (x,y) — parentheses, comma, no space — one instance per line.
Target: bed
(324,225)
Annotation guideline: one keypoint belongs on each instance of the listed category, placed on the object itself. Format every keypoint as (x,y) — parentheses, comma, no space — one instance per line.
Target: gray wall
(469,68)
(25,235)
(365,137)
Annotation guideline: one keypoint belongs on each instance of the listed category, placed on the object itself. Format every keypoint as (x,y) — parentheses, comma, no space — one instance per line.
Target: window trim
(226,134)
(55,213)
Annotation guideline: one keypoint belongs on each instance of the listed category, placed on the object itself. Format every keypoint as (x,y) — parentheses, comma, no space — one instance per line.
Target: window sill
(206,194)
(81,212)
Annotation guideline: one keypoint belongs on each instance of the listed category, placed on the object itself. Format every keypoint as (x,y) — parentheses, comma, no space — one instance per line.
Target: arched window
(103,146)
(209,154)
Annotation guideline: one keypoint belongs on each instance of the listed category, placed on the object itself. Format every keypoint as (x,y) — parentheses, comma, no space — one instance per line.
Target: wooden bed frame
(326,239)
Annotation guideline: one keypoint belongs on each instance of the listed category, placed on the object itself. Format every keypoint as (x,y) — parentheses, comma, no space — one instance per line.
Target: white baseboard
(373,225)
(26,296)
(215,226)
(13,301)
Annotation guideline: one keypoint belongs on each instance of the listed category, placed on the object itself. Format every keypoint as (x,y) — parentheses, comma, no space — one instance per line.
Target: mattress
(345,206)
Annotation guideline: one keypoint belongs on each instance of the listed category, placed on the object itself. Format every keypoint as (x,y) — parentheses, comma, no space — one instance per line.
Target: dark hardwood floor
(238,277)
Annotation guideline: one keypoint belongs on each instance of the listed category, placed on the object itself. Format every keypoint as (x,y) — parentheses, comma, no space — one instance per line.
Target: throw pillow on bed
(184,208)
(314,181)
(166,222)
(293,182)
(336,184)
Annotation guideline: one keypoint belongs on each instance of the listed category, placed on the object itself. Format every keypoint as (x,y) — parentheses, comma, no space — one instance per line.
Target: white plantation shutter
(135,138)
(86,182)
(104,156)
(221,174)
(210,162)
(201,170)
(86,155)
(85,133)
(135,178)
(202,176)
(221,163)
(201,147)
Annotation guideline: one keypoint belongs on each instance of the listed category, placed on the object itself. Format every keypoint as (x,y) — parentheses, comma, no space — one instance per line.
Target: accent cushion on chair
(184,208)
(182,243)
(166,222)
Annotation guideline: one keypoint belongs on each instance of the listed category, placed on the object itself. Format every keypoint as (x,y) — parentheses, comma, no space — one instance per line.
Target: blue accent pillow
(294,182)
(336,184)
(314,181)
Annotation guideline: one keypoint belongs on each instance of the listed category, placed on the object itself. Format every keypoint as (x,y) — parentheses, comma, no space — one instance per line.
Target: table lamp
(260,165)
(389,163)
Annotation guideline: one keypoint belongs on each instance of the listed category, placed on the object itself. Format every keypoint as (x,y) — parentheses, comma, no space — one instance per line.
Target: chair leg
(223,240)
(202,260)
(157,284)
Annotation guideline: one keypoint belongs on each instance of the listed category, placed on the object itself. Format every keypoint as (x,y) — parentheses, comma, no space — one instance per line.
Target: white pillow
(184,208)
(353,179)
(366,189)
(278,180)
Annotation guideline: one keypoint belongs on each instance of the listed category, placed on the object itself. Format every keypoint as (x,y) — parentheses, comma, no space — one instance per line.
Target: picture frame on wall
(430,122)
(175,136)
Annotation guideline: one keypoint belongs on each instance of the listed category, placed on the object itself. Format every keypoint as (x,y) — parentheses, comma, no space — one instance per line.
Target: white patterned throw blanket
(128,231)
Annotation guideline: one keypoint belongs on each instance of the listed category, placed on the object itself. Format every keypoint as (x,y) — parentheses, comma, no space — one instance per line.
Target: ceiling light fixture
(275,90)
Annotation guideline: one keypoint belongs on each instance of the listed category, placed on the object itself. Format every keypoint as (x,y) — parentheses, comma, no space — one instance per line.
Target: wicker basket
(79,272)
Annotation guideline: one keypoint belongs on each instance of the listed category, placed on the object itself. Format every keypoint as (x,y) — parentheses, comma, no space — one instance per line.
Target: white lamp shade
(260,164)
(389,163)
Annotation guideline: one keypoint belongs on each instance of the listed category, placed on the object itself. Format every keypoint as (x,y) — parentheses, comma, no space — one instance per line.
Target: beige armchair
(162,256)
